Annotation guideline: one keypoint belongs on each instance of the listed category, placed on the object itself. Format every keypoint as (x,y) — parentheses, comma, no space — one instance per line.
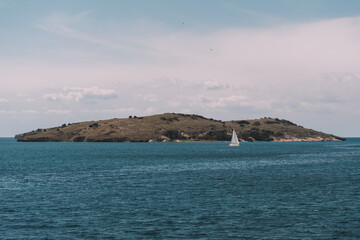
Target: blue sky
(70,61)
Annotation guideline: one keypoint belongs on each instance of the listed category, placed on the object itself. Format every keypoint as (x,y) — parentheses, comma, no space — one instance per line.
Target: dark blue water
(308,190)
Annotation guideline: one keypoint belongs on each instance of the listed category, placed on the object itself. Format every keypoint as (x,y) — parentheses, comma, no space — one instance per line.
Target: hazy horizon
(67,62)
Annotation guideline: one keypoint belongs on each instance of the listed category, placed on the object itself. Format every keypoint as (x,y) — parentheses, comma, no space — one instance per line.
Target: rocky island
(176,127)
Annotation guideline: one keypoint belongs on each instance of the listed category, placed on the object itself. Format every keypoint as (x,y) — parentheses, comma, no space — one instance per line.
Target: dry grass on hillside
(170,127)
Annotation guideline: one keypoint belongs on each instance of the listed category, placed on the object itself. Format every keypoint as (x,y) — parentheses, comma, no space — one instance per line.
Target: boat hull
(234,144)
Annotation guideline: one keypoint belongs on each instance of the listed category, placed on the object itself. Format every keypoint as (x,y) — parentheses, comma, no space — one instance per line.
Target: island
(176,127)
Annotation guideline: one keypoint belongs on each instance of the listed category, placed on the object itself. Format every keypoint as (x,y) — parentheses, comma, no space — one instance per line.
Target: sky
(80,60)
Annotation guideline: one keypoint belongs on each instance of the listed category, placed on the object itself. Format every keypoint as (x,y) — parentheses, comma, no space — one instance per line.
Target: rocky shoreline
(310,139)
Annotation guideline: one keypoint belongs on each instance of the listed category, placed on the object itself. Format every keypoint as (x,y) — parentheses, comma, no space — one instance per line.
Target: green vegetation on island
(176,127)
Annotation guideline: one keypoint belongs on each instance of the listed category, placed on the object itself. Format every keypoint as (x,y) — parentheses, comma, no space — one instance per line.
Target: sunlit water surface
(306,190)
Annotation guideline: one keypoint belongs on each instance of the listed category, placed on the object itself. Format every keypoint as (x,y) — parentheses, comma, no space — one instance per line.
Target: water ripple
(180,191)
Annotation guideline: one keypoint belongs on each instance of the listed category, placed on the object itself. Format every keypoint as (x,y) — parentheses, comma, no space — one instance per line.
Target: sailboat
(234,140)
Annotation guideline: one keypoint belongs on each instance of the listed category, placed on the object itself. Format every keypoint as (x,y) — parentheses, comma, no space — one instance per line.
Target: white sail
(234,140)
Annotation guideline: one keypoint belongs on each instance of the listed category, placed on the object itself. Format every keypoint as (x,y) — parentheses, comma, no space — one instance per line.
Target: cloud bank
(77,94)
(306,72)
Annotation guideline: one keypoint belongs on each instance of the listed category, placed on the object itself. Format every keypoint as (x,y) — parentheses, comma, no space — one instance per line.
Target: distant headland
(176,127)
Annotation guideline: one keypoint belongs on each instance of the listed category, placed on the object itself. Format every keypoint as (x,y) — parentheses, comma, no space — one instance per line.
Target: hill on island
(175,127)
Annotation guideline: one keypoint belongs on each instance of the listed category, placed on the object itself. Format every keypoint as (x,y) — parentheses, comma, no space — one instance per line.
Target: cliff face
(175,127)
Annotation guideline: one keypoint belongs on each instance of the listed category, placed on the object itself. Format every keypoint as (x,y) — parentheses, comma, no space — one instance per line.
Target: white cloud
(7,111)
(318,107)
(215,85)
(233,101)
(173,103)
(341,77)
(3,100)
(30,111)
(77,94)
(151,110)
(58,111)
(111,110)
(147,97)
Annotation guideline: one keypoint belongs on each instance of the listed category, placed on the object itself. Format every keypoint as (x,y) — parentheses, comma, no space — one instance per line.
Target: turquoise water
(308,190)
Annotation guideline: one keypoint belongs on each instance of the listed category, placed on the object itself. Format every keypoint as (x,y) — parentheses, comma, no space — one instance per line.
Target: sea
(262,190)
